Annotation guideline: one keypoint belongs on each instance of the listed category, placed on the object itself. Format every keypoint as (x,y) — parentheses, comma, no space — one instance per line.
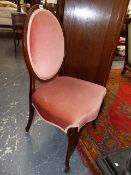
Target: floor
(117,64)
(42,150)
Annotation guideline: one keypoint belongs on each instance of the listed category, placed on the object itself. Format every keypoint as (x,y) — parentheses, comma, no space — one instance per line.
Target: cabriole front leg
(73,138)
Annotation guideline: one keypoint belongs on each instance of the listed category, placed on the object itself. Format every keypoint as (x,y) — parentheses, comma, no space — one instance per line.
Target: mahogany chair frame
(73,134)
(126,64)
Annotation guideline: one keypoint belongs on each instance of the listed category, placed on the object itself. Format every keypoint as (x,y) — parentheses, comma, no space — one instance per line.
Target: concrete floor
(117,65)
(40,152)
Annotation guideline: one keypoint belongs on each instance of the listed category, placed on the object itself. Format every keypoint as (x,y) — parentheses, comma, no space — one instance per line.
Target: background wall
(52,1)
(129,8)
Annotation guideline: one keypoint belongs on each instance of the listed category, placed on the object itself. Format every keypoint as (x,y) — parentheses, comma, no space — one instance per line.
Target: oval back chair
(65,102)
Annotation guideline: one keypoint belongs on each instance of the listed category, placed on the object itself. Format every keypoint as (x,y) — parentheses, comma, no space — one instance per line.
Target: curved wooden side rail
(92,31)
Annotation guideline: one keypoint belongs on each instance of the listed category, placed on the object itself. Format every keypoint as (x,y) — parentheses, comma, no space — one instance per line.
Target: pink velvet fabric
(68,102)
(45,44)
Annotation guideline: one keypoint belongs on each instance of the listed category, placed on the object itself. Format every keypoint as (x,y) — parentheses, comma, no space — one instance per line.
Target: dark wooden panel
(60,6)
(92,29)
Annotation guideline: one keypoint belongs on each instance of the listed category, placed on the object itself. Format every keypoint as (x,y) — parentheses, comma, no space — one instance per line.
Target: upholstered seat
(68,102)
(65,102)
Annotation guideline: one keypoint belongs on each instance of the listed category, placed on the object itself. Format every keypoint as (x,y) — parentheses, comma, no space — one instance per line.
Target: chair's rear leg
(94,121)
(31,114)
(73,138)
(31,107)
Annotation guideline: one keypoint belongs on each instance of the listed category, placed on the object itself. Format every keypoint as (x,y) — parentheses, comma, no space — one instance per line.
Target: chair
(18,20)
(65,102)
(127,64)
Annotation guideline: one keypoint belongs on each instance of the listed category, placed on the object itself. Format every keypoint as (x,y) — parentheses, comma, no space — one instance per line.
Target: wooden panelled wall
(92,29)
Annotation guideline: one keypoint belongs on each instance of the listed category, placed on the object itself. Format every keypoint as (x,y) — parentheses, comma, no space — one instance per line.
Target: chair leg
(73,138)
(94,124)
(31,114)
(123,71)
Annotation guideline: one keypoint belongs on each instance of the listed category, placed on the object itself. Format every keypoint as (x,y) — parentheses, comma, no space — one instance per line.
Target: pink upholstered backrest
(45,44)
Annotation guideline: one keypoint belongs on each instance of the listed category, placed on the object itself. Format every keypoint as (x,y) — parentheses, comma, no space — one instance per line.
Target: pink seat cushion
(45,44)
(68,102)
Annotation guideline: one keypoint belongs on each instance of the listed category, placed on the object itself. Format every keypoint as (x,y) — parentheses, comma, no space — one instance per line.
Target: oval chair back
(44,44)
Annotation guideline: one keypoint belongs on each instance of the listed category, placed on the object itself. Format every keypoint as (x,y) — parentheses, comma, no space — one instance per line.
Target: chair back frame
(26,55)
(32,75)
